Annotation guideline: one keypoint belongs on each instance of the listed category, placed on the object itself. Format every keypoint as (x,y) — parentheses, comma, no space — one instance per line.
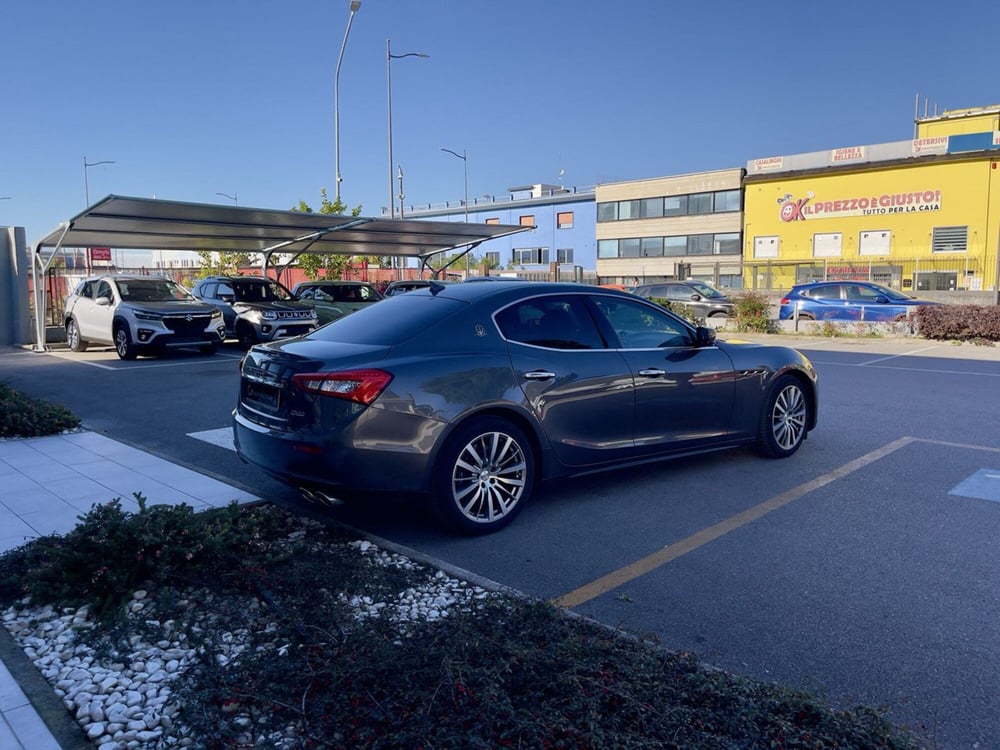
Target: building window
(701,244)
(564,255)
(652,247)
(564,220)
(727,244)
(493,221)
(628,209)
(607,248)
(630,248)
(527,221)
(727,200)
(950,240)
(651,208)
(531,256)
(874,243)
(607,212)
(700,203)
(766,247)
(828,245)
(675,205)
(675,245)
(493,258)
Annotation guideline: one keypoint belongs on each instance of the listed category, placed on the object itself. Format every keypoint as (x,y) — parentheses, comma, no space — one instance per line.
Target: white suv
(140,315)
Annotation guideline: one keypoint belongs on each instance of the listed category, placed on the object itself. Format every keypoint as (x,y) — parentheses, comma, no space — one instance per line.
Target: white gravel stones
(125,704)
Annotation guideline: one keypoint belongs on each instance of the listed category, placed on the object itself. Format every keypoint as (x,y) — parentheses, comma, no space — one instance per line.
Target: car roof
(514,290)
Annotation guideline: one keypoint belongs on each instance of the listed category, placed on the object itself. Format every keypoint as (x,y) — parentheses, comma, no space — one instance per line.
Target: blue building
(565,221)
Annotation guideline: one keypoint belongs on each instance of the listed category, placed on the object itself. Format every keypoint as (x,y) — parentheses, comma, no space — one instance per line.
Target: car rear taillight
(785,300)
(362,386)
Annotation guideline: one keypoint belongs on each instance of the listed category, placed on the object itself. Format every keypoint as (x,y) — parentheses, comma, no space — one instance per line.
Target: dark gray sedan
(471,394)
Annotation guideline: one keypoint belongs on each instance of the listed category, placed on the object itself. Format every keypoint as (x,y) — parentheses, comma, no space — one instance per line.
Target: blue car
(847,300)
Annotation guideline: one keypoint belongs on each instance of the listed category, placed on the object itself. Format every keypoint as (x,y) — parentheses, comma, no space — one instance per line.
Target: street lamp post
(86,182)
(355,4)
(465,173)
(389,57)
(232,197)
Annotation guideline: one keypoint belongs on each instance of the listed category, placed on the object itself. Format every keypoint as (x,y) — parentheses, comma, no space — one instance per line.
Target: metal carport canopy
(152,224)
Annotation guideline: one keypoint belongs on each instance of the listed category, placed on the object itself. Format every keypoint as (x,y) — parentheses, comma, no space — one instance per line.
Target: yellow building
(916,215)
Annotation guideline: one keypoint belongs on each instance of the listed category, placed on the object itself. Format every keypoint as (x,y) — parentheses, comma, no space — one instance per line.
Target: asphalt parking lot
(862,569)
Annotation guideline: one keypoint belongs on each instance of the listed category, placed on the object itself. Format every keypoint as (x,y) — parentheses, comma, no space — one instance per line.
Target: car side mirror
(227,298)
(696,297)
(102,301)
(881,299)
(704,336)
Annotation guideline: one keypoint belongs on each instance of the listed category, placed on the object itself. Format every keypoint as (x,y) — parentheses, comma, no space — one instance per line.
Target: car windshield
(707,291)
(152,290)
(260,291)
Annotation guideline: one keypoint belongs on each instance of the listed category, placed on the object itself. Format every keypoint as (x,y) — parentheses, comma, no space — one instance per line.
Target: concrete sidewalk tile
(15,484)
(54,520)
(30,730)
(31,500)
(11,695)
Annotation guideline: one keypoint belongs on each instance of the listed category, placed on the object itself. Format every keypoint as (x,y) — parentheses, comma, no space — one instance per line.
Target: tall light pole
(232,197)
(389,57)
(465,169)
(465,173)
(355,5)
(86,182)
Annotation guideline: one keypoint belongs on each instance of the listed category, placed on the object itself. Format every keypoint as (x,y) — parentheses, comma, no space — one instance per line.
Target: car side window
(104,290)
(831,291)
(560,322)
(640,326)
(862,293)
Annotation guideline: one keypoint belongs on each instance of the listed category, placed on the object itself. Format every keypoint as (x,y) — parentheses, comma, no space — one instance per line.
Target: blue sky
(194,98)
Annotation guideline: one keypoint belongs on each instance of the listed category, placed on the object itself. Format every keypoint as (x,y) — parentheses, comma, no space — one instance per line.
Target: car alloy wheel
(784,418)
(76,343)
(123,343)
(484,475)
(246,335)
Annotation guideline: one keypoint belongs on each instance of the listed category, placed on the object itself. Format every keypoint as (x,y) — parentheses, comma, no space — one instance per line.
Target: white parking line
(120,365)
(222,437)
(900,356)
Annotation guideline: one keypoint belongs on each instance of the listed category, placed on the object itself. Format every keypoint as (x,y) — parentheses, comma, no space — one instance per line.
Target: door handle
(539,375)
(652,372)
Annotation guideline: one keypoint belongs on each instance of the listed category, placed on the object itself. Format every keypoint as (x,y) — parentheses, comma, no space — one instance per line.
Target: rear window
(392,321)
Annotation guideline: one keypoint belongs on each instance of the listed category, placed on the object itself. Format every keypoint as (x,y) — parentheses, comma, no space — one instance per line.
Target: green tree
(221,263)
(334,265)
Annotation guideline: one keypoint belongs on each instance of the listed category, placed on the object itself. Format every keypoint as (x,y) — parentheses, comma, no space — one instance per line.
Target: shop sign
(996,137)
(849,153)
(100,253)
(936,145)
(800,209)
(770,164)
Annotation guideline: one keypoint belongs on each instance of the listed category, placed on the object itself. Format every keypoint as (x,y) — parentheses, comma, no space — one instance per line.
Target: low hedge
(959,322)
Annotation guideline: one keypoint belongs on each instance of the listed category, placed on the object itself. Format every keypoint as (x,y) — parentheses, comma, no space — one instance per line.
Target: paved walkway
(45,484)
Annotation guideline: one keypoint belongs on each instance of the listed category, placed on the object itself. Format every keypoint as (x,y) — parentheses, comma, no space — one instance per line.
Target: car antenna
(436,286)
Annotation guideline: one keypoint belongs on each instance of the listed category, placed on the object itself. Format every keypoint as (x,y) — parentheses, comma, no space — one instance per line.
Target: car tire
(123,343)
(806,316)
(73,338)
(246,335)
(719,314)
(784,418)
(483,476)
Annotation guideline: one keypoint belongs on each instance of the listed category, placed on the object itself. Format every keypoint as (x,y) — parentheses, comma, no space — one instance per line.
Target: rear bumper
(348,459)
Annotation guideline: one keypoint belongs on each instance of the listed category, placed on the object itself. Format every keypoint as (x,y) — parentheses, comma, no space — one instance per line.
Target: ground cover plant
(24,416)
(302,635)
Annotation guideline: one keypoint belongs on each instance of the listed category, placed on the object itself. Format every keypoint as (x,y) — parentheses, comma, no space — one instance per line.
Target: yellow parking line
(671,552)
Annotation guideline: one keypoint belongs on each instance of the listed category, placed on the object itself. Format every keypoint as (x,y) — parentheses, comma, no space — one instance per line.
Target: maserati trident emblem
(480,331)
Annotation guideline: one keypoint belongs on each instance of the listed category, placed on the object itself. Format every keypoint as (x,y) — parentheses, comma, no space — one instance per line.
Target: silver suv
(139,315)
(256,308)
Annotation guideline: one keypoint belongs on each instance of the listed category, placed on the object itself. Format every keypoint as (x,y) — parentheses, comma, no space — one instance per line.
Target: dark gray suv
(256,308)
(705,301)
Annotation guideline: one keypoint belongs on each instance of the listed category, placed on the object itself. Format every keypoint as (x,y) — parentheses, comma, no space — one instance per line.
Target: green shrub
(753,312)
(112,552)
(23,416)
(980,323)
(680,310)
